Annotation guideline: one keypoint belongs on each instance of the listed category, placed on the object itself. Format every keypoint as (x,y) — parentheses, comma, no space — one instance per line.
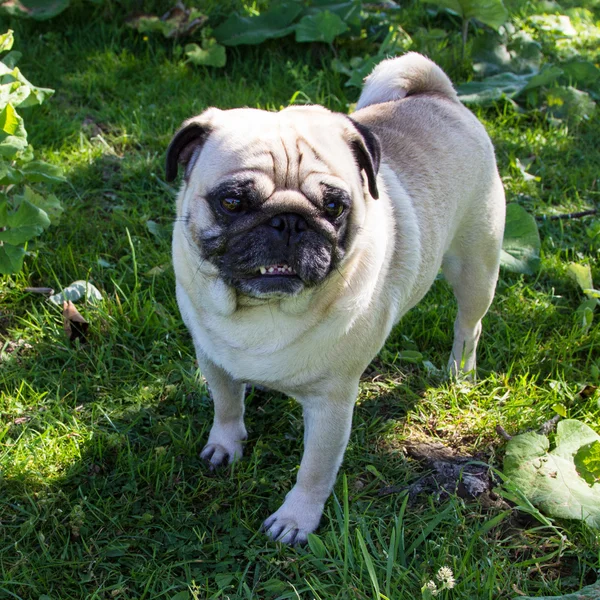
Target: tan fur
(441,205)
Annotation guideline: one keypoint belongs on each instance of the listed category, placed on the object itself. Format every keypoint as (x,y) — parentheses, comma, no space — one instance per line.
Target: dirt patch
(467,476)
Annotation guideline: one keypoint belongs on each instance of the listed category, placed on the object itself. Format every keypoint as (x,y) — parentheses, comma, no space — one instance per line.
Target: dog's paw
(224,445)
(294,520)
(217,455)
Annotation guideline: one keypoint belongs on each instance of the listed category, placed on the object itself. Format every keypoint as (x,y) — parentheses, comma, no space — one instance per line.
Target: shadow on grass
(103,491)
(102,475)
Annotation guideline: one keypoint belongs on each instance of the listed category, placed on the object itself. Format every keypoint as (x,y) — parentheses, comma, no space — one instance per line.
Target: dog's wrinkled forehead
(288,147)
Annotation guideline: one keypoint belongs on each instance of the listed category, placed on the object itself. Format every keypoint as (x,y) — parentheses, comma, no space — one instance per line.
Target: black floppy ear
(367,151)
(185,147)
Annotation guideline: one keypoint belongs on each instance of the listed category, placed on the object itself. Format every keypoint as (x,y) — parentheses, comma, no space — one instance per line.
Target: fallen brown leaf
(74,324)
(588,391)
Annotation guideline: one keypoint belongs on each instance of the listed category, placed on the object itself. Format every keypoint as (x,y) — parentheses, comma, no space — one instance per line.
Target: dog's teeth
(283,269)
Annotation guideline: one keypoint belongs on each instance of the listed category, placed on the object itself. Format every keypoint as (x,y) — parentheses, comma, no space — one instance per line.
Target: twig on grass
(549,425)
(545,428)
(503,433)
(574,215)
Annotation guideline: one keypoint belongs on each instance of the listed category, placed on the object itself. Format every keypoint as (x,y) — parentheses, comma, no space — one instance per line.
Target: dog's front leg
(327,423)
(228,431)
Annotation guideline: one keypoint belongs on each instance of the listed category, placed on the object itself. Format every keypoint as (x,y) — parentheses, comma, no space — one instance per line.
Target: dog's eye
(231,204)
(334,209)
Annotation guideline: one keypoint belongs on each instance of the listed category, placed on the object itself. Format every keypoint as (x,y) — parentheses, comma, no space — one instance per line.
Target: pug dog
(303,236)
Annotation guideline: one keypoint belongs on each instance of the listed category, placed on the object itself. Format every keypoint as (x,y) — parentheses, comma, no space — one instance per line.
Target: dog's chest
(282,354)
(283,351)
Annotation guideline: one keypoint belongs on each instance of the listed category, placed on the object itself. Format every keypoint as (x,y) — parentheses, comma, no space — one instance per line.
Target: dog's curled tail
(406,75)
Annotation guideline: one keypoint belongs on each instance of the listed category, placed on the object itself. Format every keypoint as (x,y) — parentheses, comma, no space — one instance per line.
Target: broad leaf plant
(25,212)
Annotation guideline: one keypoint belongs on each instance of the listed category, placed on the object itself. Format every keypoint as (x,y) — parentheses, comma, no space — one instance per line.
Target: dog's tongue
(282,269)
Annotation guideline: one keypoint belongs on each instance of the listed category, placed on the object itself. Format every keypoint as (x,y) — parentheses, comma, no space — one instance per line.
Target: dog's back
(425,131)
(440,154)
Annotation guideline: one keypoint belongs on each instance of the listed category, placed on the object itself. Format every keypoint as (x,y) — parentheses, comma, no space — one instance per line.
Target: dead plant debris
(449,473)
(74,324)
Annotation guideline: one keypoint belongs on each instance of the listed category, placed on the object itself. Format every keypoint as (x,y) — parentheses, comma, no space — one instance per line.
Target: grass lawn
(102,492)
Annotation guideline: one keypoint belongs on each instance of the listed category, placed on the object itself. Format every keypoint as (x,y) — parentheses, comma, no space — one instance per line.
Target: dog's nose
(289,226)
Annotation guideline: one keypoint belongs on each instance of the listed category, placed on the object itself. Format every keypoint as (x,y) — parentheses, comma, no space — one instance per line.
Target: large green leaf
(558,24)
(587,462)
(178,22)
(50,204)
(358,68)
(36,170)
(12,58)
(13,137)
(153,24)
(549,74)
(12,92)
(508,85)
(211,55)
(521,245)
(6,41)
(492,55)
(11,259)
(590,592)
(3,210)
(570,103)
(27,222)
(9,175)
(489,12)
(582,72)
(549,479)
(487,91)
(9,120)
(274,23)
(40,10)
(22,92)
(11,145)
(321,27)
(582,275)
(348,11)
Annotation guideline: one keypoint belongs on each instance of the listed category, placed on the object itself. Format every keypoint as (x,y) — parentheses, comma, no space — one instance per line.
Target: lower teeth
(285,270)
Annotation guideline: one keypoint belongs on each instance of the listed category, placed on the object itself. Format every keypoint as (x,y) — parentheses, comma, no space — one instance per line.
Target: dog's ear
(367,151)
(186,145)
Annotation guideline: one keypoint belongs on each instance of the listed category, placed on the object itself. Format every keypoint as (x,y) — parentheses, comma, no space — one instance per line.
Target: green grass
(102,492)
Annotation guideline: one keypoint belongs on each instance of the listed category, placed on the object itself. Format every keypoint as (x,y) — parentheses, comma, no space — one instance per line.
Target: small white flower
(430,585)
(446,576)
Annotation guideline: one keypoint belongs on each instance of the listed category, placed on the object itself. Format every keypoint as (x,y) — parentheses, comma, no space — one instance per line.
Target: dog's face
(273,201)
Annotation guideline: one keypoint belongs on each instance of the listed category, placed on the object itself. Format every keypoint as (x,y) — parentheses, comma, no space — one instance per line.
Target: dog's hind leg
(471,267)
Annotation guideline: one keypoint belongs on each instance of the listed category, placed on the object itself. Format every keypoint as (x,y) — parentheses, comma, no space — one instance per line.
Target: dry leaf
(74,324)
(588,391)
